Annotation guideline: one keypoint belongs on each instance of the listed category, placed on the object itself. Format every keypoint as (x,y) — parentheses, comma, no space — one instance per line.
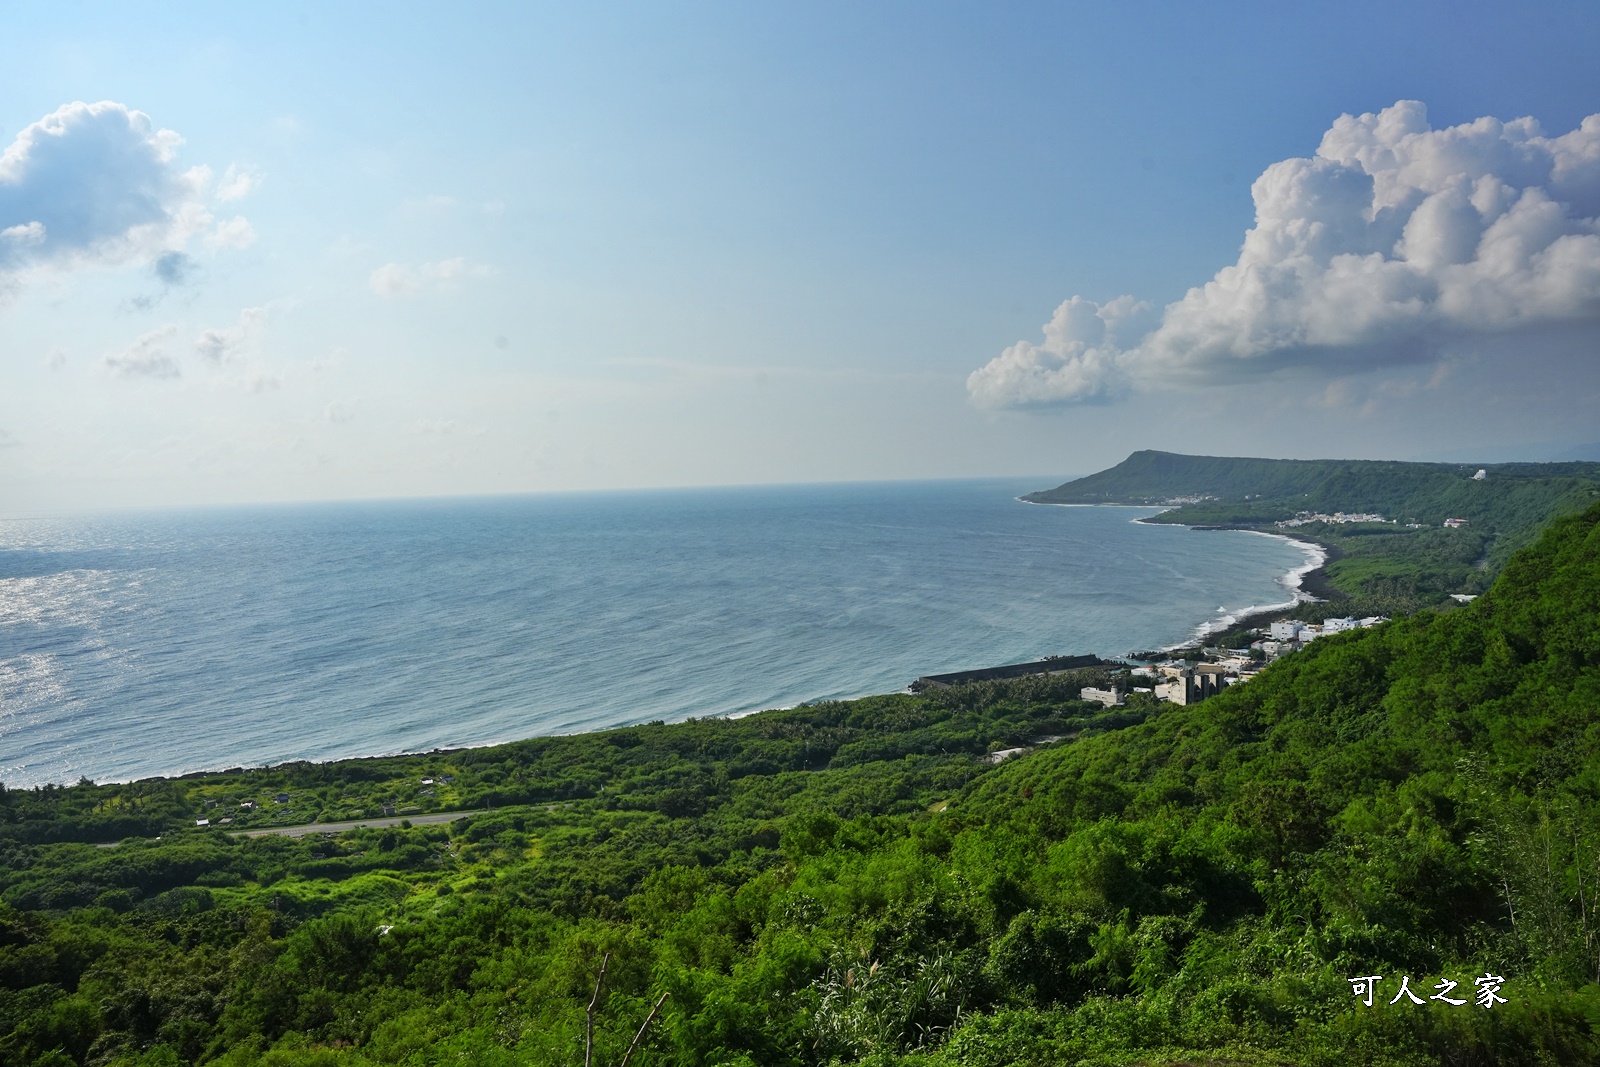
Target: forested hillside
(855,883)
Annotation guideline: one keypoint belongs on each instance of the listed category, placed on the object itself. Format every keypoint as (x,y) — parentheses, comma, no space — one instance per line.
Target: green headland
(1383,523)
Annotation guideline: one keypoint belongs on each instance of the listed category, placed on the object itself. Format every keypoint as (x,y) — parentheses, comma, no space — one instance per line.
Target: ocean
(159,643)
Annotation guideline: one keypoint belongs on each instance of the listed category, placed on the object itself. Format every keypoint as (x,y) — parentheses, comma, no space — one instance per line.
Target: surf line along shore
(1307,582)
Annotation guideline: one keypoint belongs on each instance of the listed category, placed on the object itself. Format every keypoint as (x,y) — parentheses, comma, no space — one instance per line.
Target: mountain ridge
(1150,477)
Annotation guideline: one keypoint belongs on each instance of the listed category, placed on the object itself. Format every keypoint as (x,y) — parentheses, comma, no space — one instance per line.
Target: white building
(1285,629)
(1335,626)
(1109,697)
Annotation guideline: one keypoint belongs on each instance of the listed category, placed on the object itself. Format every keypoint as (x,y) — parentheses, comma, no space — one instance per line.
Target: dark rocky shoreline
(1314,583)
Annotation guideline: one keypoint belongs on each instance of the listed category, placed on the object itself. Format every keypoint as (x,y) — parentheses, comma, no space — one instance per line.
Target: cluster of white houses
(1286,635)
(1179,683)
(1304,518)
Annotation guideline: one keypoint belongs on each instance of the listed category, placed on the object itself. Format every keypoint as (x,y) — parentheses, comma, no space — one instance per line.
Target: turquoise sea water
(160,643)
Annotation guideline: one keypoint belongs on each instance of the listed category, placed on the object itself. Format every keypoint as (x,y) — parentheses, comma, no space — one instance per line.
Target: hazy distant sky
(340,250)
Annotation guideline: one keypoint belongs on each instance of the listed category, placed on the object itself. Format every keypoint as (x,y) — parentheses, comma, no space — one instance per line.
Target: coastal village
(1180,681)
(1189,681)
(1341,518)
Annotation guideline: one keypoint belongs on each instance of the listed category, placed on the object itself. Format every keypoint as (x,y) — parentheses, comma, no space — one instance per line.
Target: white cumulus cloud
(1077,358)
(95,183)
(1393,239)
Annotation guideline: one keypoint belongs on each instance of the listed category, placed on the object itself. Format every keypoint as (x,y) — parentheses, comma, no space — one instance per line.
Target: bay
(166,642)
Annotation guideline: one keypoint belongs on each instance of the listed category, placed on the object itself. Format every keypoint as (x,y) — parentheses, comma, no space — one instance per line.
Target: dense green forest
(1374,568)
(859,882)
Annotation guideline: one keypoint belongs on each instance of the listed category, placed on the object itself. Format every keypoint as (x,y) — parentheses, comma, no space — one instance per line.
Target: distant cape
(1435,490)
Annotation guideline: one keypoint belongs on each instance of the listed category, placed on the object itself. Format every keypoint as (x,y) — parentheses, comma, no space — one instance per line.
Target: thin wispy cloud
(259,381)
(232,233)
(434,203)
(237,183)
(146,357)
(394,280)
(1394,239)
(434,427)
(220,344)
(172,270)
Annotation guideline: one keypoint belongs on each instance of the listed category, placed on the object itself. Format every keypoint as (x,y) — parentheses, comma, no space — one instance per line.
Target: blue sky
(500,248)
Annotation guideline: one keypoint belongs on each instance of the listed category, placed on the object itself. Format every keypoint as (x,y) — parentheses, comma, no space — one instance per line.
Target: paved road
(341,827)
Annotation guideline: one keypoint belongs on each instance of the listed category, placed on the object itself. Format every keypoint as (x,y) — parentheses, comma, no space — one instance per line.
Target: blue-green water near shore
(165,642)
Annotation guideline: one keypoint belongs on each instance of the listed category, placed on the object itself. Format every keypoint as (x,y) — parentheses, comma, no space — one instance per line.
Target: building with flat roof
(1285,630)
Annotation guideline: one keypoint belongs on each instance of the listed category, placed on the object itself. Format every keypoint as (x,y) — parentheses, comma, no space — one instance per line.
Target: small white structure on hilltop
(1480,476)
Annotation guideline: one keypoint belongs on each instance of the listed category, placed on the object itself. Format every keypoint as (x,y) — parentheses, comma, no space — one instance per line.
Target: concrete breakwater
(1048,665)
